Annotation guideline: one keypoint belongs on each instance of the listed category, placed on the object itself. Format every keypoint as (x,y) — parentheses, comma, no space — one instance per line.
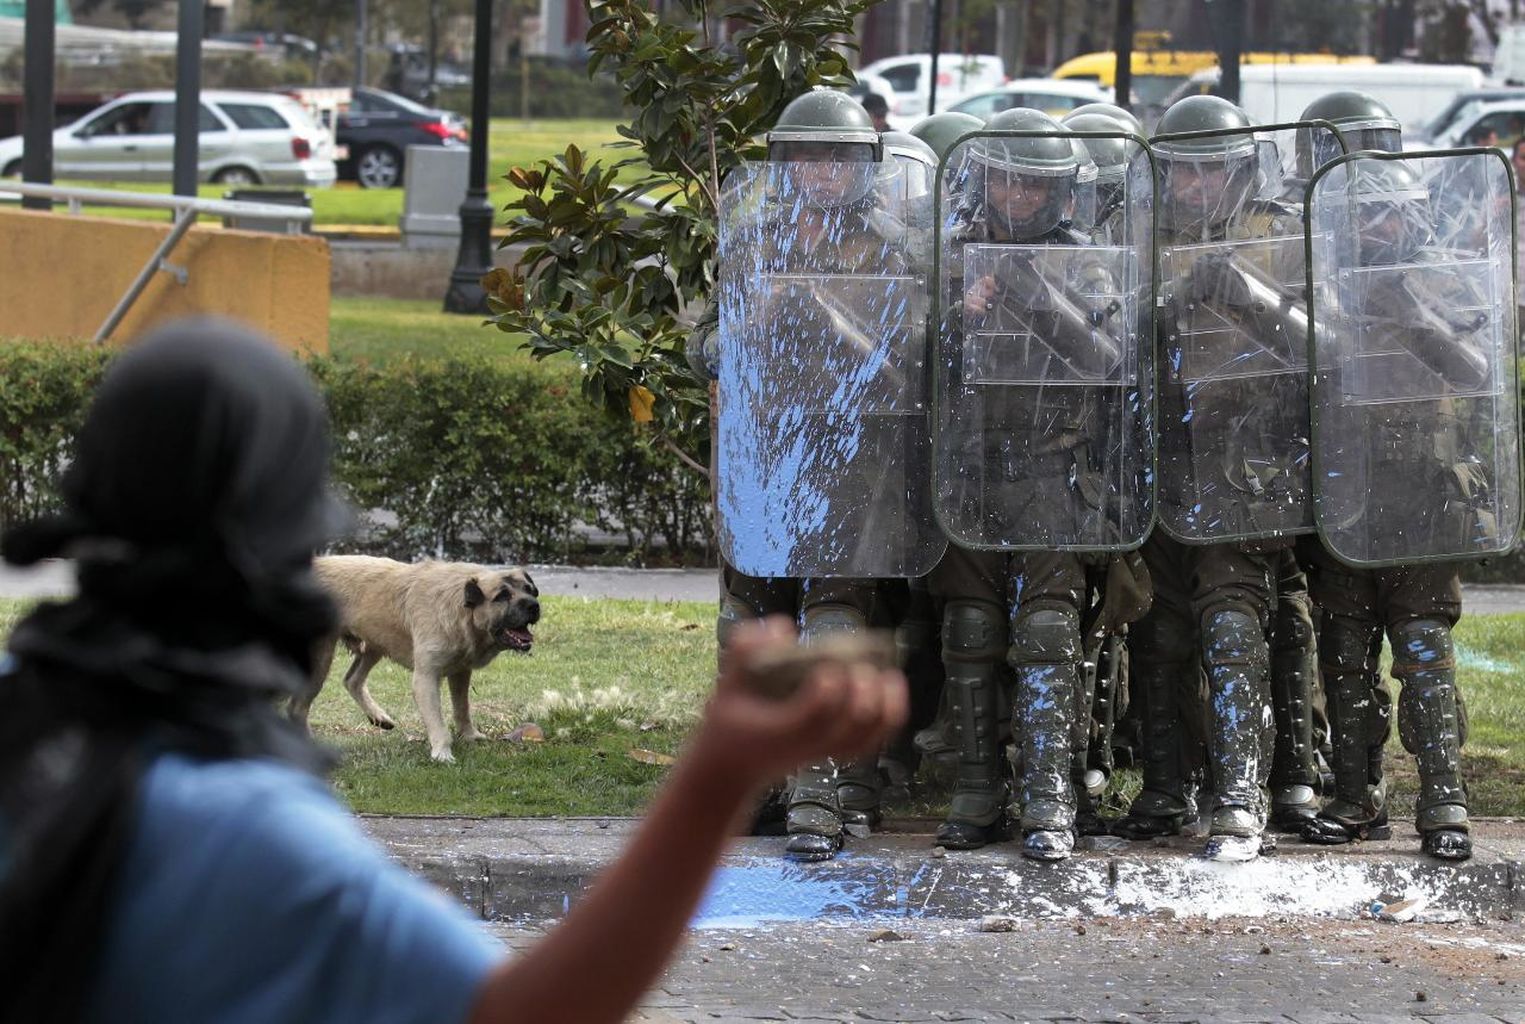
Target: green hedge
(462,459)
(44,389)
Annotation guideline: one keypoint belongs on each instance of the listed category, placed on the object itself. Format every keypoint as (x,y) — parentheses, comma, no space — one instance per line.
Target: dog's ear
(474,595)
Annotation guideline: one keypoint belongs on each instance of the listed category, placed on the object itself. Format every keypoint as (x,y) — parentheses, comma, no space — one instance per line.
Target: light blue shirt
(249,895)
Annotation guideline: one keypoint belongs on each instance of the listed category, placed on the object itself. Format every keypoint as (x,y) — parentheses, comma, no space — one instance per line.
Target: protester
(167,849)
(878,109)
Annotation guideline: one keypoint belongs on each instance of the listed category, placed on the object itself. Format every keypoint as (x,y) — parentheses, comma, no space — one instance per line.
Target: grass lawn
(376,330)
(611,677)
(512,143)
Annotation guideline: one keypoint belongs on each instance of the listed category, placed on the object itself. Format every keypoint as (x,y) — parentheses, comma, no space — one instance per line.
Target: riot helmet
(1023,186)
(1121,115)
(917,159)
(1109,155)
(1206,180)
(1363,120)
(941,131)
(828,129)
(1390,211)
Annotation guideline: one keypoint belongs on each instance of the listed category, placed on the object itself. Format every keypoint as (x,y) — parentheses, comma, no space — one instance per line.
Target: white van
(1272,93)
(958,75)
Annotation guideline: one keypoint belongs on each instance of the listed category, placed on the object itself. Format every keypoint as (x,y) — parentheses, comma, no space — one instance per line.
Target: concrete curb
(531,870)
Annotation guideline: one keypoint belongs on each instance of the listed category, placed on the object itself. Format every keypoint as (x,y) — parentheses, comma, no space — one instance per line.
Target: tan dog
(440,619)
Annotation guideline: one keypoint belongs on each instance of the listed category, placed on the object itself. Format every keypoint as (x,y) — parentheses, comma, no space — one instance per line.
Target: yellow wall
(60,276)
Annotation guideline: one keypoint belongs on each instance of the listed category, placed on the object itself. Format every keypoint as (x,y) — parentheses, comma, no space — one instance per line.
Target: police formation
(1141,447)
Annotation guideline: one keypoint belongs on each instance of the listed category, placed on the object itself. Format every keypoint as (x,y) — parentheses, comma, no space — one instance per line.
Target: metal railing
(185,208)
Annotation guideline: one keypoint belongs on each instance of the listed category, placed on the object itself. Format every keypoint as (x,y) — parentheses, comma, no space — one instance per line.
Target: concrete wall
(390,270)
(60,276)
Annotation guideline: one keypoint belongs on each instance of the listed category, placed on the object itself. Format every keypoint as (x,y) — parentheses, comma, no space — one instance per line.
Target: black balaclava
(197,495)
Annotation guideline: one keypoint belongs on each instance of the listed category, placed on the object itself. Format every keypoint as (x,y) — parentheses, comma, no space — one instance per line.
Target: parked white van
(958,75)
(1415,93)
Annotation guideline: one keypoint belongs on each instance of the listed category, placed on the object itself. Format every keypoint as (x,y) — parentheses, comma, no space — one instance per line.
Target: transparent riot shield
(823,444)
(1232,326)
(1041,382)
(1415,397)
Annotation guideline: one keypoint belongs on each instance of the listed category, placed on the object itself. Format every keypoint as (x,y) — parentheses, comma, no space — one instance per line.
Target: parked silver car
(247,138)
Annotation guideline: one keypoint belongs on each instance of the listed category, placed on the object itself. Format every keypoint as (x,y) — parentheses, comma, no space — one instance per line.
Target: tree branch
(685,458)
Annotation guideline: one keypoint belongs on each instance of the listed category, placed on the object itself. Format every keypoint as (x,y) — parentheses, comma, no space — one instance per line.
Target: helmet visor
(1025,206)
(1199,195)
(820,151)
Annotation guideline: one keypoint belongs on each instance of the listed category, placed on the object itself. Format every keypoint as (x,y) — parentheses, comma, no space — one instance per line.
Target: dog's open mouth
(516,638)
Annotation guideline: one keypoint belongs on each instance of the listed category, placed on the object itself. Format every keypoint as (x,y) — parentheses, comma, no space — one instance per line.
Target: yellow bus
(1157,73)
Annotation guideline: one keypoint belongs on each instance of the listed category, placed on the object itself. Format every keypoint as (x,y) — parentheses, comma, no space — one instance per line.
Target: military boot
(1430,727)
(1160,808)
(973,640)
(1045,654)
(814,821)
(1294,766)
(1238,674)
(1357,808)
(858,795)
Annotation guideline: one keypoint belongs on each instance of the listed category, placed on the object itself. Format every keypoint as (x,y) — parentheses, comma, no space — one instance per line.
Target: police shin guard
(1294,765)
(973,641)
(858,795)
(919,646)
(1430,726)
(1357,729)
(814,821)
(1046,654)
(1157,665)
(1236,657)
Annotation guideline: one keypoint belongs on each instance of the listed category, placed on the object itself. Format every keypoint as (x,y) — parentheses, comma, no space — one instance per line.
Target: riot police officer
(1027,467)
(1233,475)
(819,407)
(1417,464)
(1364,123)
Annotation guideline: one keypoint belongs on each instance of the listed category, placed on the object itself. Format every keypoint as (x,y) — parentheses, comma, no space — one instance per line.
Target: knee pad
(1232,635)
(830,618)
(1046,634)
(973,631)
(1421,646)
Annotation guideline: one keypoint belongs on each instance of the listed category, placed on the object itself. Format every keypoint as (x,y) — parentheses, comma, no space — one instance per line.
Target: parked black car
(378,128)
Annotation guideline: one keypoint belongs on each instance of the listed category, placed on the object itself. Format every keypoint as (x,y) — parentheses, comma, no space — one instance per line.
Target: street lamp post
(37,104)
(475,256)
(188,96)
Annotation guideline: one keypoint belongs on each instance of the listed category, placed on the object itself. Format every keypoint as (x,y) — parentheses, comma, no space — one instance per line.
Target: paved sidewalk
(531,869)
(1138,935)
(56,578)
